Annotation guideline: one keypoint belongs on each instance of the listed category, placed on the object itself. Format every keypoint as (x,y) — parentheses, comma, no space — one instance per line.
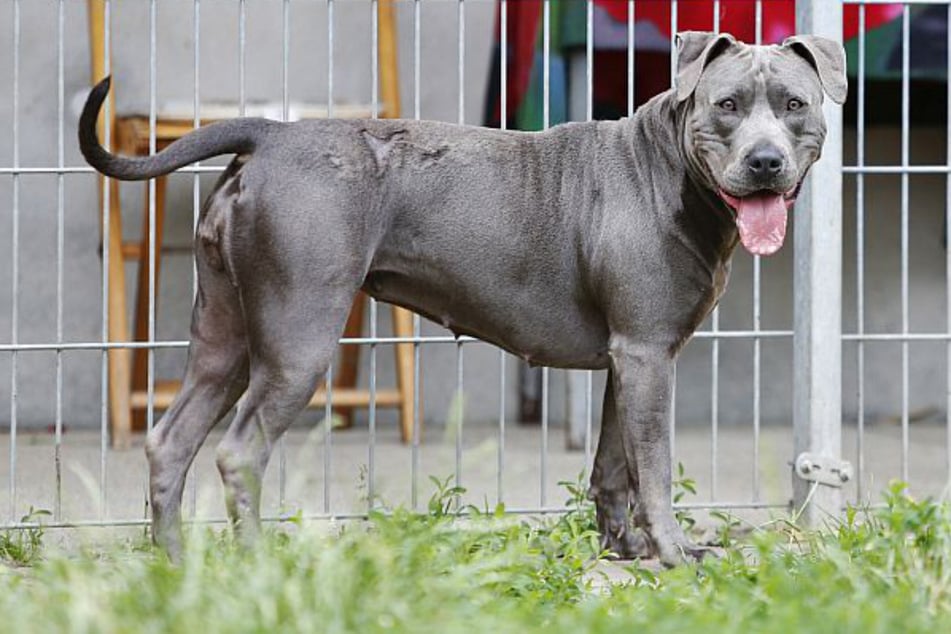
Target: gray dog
(597,245)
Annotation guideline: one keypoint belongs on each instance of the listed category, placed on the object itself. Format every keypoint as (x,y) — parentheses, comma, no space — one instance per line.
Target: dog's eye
(794,104)
(728,104)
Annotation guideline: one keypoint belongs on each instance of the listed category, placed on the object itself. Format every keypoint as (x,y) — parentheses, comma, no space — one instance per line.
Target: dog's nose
(765,161)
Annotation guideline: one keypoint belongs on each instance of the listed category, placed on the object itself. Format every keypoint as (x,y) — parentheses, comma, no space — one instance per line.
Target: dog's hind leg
(216,374)
(293,331)
(613,492)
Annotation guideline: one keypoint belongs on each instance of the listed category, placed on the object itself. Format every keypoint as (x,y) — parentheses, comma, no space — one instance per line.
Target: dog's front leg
(642,376)
(612,489)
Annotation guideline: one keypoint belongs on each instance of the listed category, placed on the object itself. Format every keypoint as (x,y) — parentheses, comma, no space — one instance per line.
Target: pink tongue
(761,219)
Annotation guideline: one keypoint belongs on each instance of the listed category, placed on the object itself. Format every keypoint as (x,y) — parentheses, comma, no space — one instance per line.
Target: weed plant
(477,570)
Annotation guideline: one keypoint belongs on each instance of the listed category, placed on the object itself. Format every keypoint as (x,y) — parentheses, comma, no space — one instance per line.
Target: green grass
(885,570)
(23,547)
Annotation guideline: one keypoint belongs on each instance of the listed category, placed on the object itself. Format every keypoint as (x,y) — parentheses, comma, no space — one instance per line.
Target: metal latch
(823,469)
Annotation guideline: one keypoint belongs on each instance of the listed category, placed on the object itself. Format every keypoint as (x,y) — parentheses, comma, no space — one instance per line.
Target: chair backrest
(389,82)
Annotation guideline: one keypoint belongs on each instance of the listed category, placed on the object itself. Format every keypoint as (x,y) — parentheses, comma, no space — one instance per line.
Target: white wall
(38,125)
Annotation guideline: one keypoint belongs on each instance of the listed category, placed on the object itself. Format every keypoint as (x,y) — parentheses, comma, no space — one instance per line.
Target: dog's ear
(828,58)
(696,49)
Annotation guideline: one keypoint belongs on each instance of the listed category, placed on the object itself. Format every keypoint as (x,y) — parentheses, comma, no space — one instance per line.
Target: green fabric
(573,23)
(884,43)
(878,44)
(530,113)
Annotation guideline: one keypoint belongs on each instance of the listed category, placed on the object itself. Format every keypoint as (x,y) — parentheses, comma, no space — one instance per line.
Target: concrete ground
(82,496)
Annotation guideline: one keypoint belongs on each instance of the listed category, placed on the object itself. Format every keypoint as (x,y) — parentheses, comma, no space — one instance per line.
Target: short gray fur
(598,245)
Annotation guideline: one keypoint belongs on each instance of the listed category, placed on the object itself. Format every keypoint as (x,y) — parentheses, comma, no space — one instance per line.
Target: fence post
(817,339)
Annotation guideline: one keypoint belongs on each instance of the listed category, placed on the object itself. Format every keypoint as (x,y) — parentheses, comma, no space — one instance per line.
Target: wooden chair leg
(140,358)
(403,327)
(346,374)
(120,420)
(389,62)
(402,318)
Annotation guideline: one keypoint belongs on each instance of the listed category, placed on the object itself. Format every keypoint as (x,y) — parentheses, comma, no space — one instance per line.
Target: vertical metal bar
(630,58)
(905,133)
(416,413)
(153,257)
(196,199)
(817,338)
(589,420)
(60,245)
(150,350)
(673,417)
(328,404)
(196,123)
(673,82)
(500,465)
(374,112)
(503,124)
(330,59)
(757,319)
(673,45)
(15,269)
(460,412)
(461,21)
(461,35)
(714,401)
(371,423)
(546,64)
(589,115)
(503,64)
(106,254)
(543,472)
(758,24)
(860,262)
(715,355)
(589,61)
(417,326)
(328,434)
(285,115)
(546,121)
(947,251)
(416,59)
(374,59)
(242,76)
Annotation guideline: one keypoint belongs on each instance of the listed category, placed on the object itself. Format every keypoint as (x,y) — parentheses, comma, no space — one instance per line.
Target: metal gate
(45,162)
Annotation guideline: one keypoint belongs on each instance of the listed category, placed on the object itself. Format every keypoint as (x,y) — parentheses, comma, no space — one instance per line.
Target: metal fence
(816,335)
(863,339)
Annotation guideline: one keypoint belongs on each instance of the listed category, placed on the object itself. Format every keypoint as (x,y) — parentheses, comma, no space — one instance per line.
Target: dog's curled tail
(235,136)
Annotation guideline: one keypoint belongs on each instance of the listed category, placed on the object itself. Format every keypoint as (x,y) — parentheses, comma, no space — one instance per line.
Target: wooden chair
(128,369)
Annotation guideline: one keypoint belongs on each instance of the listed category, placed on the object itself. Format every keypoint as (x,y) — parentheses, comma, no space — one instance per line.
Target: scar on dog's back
(397,148)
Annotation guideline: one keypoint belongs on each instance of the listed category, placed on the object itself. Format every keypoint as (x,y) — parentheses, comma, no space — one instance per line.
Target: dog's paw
(686,552)
(619,537)
(627,543)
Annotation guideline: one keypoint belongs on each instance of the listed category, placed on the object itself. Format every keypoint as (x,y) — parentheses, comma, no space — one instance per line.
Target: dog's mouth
(761,218)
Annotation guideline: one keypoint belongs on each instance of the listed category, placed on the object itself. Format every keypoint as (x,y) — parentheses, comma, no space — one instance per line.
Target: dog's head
(753,122)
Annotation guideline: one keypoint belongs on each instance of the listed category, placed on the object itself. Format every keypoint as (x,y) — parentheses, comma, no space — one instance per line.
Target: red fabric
(523,18)
(739,16)
(736,16)
(875,16)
